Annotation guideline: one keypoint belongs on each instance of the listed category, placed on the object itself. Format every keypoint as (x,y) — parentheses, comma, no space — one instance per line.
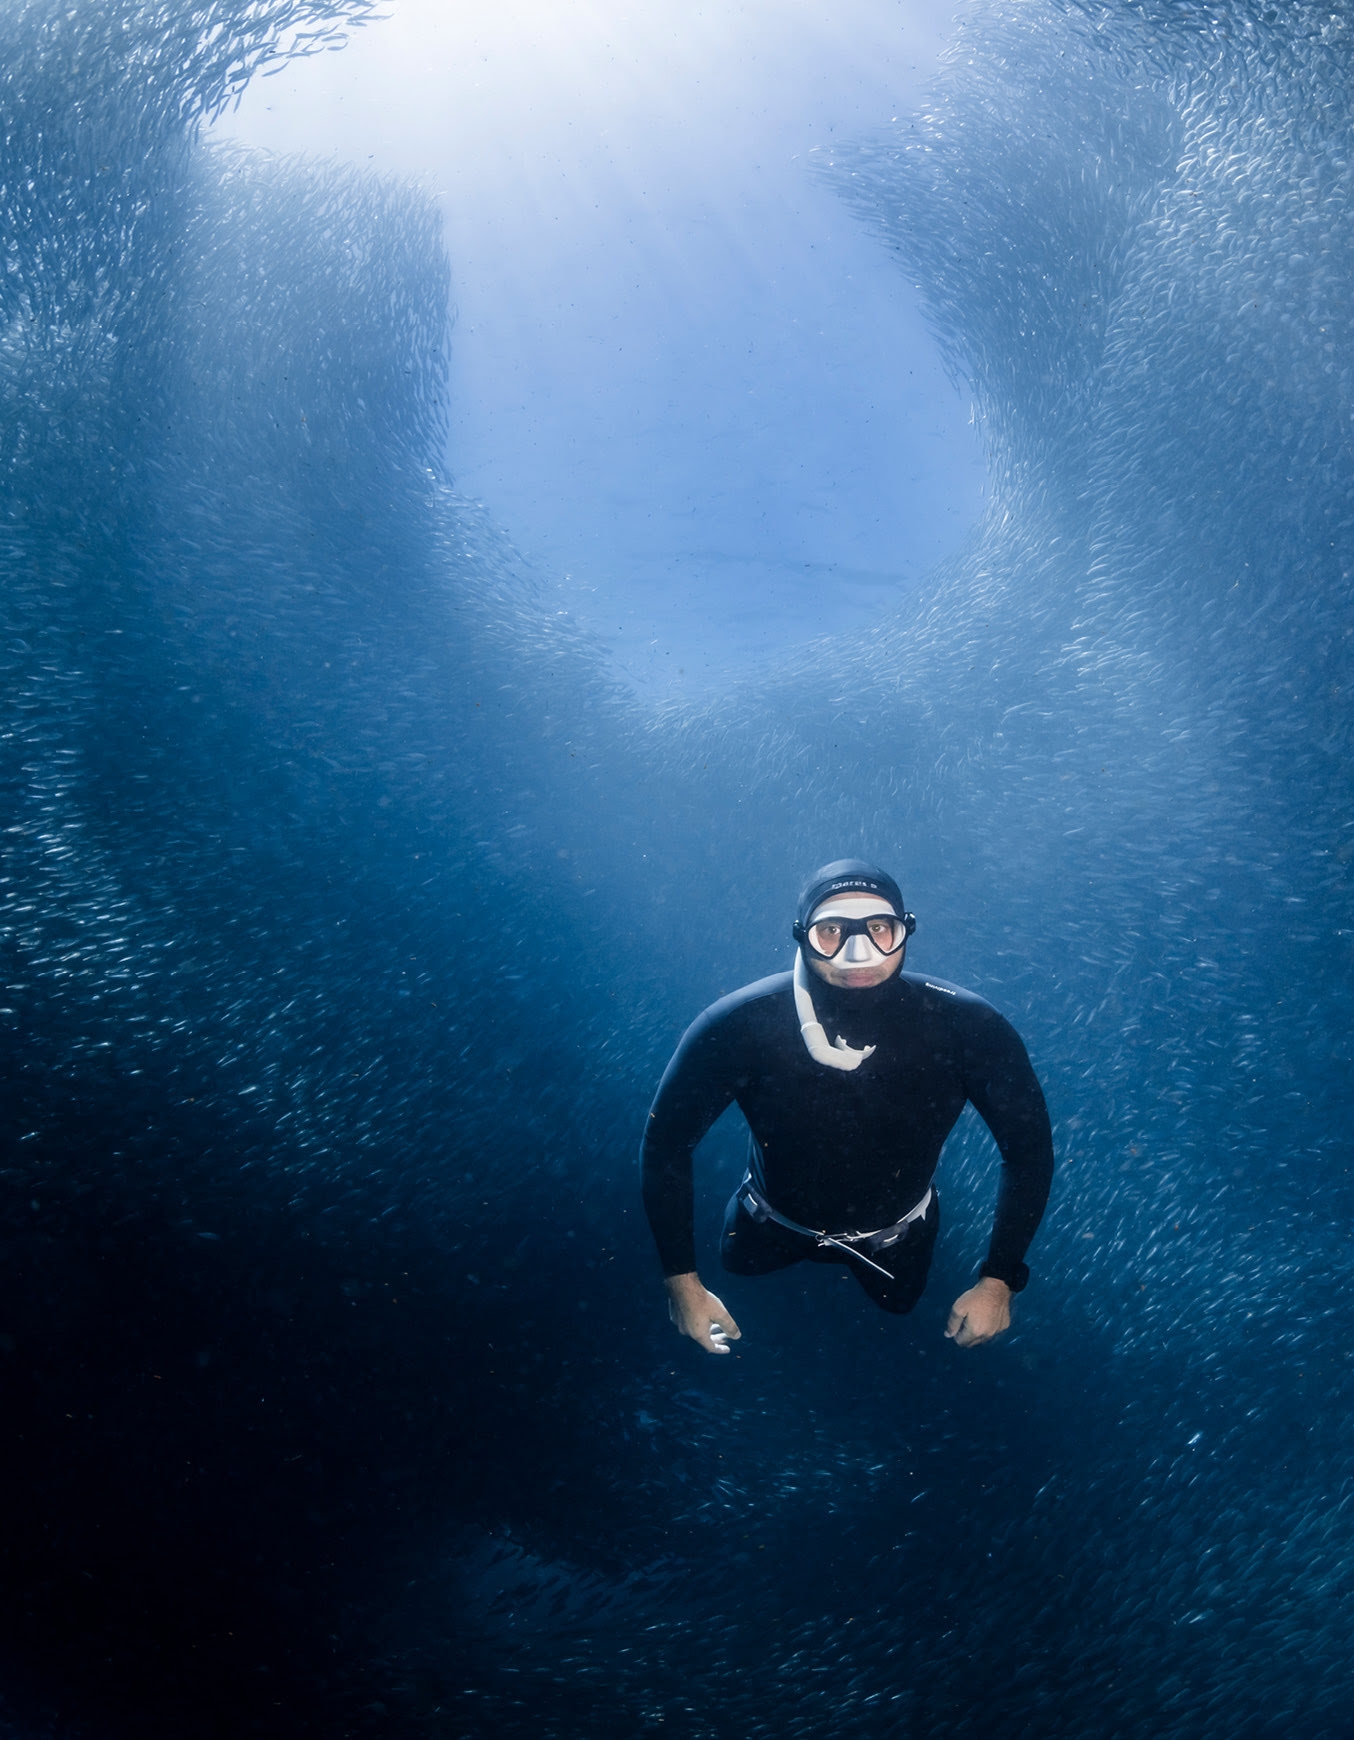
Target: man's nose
(858,949)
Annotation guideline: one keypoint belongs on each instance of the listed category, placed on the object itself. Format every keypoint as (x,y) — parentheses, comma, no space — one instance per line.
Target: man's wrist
(1014,1280)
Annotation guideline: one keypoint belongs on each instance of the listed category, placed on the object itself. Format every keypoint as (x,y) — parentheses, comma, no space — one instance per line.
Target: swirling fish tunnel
(335,1396)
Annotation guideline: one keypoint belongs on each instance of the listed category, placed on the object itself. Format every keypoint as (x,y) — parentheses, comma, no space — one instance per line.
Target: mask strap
(836,1056)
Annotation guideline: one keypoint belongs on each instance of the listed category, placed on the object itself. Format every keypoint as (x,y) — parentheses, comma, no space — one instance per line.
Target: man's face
(860,963)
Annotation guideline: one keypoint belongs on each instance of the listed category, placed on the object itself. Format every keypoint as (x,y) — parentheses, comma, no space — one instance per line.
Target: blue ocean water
(352,906)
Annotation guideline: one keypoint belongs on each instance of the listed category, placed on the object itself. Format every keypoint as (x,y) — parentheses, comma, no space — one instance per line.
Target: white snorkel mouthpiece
(838,1055)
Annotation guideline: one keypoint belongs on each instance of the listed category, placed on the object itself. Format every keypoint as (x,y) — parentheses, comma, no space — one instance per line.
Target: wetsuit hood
(844,876)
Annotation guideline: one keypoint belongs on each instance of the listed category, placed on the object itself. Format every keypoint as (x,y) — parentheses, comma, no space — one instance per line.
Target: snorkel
(838,1055)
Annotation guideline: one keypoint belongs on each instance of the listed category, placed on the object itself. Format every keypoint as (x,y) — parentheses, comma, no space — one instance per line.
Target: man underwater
(845,1134)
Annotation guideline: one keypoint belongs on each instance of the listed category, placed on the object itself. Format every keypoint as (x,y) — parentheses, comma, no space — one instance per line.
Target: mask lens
(827,936)
(885,933)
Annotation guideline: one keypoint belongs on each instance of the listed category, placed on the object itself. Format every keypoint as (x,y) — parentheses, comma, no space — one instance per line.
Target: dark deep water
(337,1392)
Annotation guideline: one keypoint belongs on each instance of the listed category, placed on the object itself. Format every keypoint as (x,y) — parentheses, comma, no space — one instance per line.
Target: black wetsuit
(848,1150)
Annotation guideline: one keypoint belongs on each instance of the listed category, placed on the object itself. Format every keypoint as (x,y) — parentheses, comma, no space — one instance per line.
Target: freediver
(844,1135)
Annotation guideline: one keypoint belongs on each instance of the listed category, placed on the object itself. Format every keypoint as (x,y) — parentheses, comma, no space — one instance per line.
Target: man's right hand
(697,1313)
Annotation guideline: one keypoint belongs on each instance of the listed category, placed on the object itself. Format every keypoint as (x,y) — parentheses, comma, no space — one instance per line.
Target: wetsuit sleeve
(696,1087)
(1002,1085)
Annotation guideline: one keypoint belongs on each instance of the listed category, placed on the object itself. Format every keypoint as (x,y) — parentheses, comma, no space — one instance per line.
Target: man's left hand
(980,1314)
